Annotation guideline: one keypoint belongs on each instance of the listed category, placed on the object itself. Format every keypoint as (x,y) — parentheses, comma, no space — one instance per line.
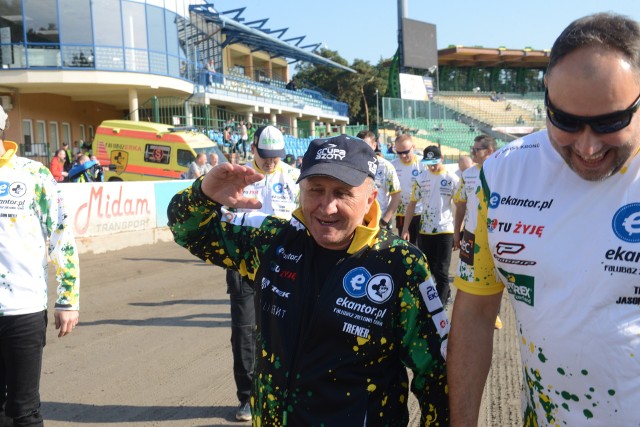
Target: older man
(343,306)
(542,198)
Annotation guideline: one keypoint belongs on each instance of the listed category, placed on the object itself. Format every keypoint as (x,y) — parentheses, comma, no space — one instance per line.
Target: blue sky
(367,29)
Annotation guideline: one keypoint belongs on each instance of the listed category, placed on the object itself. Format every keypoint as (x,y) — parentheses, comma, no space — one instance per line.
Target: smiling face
(332,209)
(592,82)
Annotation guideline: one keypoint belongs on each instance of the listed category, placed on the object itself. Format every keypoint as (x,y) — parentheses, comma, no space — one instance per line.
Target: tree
(357,90)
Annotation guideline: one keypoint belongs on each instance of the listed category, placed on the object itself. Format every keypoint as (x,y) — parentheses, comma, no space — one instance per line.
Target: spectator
(320,361)
(250,133)
(289,159)
(228,141)
(35,228)
(85,170)
(408,167)
(243,140)
(57,165)
(291,85)
(213,160)
(434,188)
(67,158)
(386,181)
(299,162)
(575,302)
(198,167)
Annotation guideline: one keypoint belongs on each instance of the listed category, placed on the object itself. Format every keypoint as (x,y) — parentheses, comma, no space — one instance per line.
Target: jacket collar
(10,148)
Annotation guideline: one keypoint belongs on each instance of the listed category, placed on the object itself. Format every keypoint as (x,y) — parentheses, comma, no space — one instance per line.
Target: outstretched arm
(225,183)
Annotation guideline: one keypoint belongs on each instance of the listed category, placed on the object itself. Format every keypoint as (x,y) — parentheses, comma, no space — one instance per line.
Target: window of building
(41,132)
(135,36)
(54,136)
(76,34)
(27,131)
(83,135)
(66,133)
(107,27)
(91,134)
(42,22)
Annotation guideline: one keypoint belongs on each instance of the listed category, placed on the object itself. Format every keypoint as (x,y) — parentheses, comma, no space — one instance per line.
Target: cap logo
(373,166)
(330,153)
(430,155)
(268,142)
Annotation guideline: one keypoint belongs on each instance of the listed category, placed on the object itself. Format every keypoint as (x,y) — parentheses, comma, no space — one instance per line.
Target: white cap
(3,118)
(270,142)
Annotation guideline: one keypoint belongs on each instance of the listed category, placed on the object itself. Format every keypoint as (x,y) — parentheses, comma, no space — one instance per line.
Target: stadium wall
(114,215)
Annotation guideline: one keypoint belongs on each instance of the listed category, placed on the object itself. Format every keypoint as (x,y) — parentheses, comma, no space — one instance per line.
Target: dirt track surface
(152,348)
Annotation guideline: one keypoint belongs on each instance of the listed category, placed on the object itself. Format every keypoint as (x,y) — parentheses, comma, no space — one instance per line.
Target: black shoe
(244,412)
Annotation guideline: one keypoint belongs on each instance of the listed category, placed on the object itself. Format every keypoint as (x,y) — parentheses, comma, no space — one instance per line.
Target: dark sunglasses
(475,150)
(400,153)
(606,123)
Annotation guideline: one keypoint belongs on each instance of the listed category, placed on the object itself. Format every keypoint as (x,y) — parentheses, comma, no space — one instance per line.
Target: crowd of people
(330,307)
(83,168)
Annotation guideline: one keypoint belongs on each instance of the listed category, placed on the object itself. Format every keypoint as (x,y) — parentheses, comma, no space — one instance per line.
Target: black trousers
(243,332)
(22,339)
(414,227)
(437,248)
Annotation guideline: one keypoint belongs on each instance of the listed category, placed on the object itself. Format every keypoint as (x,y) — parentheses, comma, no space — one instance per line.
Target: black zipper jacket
(333,353)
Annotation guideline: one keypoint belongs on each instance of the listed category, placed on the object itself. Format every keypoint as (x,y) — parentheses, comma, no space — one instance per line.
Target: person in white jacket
(33,225)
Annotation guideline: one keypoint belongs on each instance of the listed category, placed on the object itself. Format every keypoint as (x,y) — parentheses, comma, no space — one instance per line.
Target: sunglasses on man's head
(606,123)
(401,153)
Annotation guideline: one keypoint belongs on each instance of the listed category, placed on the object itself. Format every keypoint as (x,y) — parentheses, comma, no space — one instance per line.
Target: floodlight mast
(403,12)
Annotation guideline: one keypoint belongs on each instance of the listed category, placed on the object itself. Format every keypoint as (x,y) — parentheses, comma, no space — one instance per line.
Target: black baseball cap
(432,155)
(343,157)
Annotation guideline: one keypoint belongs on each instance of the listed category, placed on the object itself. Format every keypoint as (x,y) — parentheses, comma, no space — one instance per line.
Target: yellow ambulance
(144,151)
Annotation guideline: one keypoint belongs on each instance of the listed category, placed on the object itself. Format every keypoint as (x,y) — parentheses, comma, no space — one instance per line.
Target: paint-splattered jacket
(334,356)
(32,213)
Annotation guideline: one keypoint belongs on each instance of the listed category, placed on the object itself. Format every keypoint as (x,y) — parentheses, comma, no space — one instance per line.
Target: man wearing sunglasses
(408,167)
(559,227)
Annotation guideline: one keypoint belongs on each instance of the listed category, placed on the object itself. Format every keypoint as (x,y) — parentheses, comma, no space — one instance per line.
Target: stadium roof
(255,36)
(482,57)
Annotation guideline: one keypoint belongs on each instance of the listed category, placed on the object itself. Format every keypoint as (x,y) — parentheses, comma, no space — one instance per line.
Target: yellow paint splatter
(371,387)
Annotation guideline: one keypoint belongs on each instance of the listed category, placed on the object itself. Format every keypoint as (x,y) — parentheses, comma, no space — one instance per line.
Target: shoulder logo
(379,288)
(626,223)
(355,281)
(520,286)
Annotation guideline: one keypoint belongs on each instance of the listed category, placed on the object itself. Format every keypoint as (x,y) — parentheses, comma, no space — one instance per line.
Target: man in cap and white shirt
(344,307)
(278,194)
(387,182)
(435,187)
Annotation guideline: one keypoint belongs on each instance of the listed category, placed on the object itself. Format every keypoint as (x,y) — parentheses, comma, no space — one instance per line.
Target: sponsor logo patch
(520,286)
(626,223)
(355,282)
(496,200)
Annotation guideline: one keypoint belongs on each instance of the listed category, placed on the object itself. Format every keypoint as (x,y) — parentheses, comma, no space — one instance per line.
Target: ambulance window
(185,158)
(157,153)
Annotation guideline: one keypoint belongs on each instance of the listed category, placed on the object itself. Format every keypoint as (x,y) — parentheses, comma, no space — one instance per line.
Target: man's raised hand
(225,183)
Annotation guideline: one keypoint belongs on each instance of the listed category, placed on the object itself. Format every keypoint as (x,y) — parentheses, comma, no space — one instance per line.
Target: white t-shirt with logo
(407,174)
(277,191)
(387,182)
(435,191)
(567,251)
